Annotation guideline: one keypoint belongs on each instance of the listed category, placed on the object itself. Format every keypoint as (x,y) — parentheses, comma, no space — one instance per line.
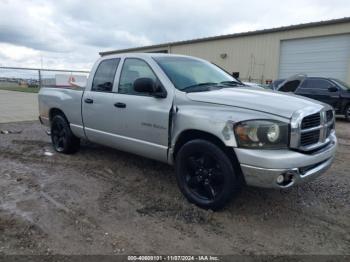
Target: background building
(317,49)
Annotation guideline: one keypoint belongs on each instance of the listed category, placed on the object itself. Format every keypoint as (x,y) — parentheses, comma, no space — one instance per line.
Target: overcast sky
(70,33)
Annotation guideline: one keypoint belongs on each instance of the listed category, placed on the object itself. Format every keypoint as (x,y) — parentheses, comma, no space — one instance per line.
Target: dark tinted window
(104,76)
(317,83)
(132,70)
(290,86)
(342,84)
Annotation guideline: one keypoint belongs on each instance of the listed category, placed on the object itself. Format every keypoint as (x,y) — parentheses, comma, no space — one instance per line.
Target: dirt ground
(102,201)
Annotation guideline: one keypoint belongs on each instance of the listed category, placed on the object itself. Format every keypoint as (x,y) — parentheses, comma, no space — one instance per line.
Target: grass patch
(20,89)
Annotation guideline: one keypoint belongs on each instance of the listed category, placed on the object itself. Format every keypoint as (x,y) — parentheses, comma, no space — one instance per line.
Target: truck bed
(65,99)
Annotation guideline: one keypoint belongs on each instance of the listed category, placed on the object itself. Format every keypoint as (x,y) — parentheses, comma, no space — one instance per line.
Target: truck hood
(272,102)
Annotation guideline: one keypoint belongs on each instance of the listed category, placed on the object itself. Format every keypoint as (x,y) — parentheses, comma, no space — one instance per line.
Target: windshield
(341,84)
(192,75)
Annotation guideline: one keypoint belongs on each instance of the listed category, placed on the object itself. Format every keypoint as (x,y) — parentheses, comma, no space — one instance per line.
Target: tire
(205,175)
(63,140)
(347,113)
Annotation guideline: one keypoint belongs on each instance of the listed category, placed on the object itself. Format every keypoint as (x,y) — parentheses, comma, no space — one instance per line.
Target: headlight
(262,134)
(273,133)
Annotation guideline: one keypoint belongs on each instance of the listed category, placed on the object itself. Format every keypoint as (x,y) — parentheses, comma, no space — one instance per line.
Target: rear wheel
(63,140)
(347,113)
(206,175)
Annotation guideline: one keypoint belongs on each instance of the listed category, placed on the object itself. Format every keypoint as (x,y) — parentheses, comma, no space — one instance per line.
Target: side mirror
(144,85)
(148,86)
(333,89)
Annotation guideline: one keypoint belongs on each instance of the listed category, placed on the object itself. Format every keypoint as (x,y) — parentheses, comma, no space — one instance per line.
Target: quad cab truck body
(181,110)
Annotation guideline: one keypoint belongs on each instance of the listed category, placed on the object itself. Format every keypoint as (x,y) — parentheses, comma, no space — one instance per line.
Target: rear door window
(104,76)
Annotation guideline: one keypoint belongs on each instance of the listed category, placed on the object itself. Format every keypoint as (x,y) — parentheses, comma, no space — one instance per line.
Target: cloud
(17,53)
(70,33)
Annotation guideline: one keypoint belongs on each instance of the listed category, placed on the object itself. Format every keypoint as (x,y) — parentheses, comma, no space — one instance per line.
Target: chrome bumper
(262,168)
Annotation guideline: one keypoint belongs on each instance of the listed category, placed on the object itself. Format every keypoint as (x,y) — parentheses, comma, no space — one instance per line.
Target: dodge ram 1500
(185,111)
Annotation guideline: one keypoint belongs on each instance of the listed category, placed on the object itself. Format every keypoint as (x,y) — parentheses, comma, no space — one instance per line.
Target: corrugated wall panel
(327,56)
(255,56)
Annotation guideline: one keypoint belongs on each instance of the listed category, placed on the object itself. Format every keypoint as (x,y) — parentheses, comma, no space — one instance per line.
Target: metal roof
(257,32)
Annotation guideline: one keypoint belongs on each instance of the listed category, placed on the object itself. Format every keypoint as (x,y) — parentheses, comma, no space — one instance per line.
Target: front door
(145,119)
(322,90)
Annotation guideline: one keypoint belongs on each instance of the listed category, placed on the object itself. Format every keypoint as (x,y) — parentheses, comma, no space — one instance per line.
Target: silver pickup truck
(219,133)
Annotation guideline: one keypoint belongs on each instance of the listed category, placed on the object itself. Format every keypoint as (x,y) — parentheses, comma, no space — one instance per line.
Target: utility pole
(39,71)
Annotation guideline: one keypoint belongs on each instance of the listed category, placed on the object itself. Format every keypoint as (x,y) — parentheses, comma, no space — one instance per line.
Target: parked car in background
(274,85)
(327,90)
(33,83)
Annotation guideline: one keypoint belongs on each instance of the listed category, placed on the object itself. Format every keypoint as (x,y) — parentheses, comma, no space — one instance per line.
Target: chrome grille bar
(310,128)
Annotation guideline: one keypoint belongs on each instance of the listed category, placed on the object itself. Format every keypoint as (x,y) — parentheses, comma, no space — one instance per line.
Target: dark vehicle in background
(33,83)
(328,90)
(274,85)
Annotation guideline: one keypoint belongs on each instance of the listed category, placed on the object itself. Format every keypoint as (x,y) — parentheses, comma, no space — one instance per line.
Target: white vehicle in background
(65,80)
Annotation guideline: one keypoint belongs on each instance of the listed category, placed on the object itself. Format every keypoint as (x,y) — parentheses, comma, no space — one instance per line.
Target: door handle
(120,105)
(89,100)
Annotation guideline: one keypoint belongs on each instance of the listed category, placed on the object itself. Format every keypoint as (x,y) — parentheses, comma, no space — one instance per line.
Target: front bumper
(262,168)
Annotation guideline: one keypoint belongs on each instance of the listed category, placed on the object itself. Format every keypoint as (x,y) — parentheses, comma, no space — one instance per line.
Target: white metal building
(317,49)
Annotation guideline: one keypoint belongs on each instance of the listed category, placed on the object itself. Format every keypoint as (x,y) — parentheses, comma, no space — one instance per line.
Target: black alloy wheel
(206,175)
(59,137)
(63,140)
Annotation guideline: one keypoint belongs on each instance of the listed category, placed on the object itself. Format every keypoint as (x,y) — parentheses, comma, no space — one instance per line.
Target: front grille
(309,138)
(311,132)
(311,121)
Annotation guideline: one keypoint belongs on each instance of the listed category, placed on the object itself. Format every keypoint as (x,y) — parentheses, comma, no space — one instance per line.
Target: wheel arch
(54,112)
(192,134)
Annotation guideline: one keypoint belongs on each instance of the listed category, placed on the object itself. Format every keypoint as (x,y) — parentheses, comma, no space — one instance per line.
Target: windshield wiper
(231,83)
(200,84)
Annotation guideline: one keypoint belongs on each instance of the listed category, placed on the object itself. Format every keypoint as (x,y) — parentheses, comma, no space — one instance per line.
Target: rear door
(305,90)
(99,114)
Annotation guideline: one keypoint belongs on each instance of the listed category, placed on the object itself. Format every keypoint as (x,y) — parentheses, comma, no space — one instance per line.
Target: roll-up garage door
(327,56)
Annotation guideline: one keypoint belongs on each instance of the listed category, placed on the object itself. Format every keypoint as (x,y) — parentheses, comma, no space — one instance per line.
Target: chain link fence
(32,79)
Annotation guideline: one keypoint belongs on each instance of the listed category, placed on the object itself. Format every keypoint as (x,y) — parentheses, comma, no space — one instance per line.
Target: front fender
(217,120)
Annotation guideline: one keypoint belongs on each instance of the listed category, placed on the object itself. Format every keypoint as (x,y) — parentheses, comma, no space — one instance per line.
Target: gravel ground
(103,201)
